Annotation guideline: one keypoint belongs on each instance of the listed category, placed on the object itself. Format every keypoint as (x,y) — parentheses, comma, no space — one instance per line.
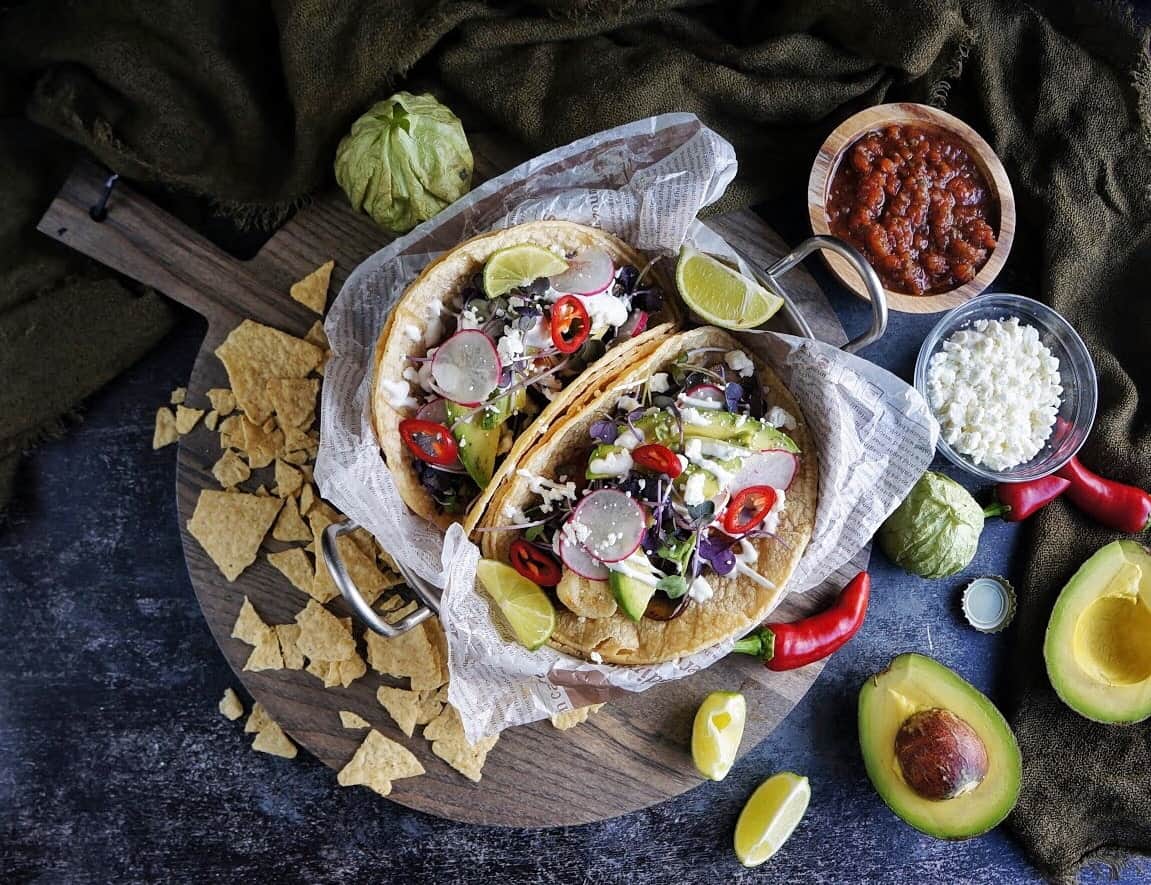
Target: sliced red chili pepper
(748,509)
(788,646)
(569,324)
(659,458)
(429,441)
(534,564)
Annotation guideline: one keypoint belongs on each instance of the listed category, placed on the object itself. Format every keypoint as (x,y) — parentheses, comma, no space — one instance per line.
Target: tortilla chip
(431,704)
(252,353)
(232,433)
(296,441)
(307,499)
(266,655)
(298,458)
(222,400)
(396,615)
(350,670)
(348,719)
(179,395)
(261,442)
(402,705)
(377,763)
(212,419)
(323,637)
(418,654)
(186,419)
(273,741)
(262,491)
(317,335)
(571,718)
(231,469)
(446,733)
(312,290)
(289,526)
(288,635)
(258,719)
(288,479)
(230,526)
(294,565)
(294,400)
(231,707)
(165,433)
(250,627)
(369,580)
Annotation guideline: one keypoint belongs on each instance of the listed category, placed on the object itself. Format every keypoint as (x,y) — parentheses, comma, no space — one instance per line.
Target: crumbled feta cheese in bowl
(1012,386)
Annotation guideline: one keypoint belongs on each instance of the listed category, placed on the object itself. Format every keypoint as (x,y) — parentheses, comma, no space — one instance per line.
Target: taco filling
(674,487)
(506,345)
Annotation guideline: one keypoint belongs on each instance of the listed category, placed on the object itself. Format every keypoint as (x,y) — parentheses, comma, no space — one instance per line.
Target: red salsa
(914,202)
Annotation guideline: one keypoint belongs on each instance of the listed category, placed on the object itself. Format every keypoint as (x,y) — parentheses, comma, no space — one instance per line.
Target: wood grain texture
(846,133)
(631,754)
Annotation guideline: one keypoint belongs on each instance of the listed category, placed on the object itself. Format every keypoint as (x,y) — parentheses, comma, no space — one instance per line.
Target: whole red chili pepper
(1018,500)
(789,646)
(1114,504)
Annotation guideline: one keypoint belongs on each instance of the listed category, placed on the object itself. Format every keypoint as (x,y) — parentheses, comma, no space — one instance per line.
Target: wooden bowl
(846,134)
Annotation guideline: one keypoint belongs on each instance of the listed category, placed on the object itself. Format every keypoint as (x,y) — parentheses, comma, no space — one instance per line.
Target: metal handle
(866,272)
(429,596)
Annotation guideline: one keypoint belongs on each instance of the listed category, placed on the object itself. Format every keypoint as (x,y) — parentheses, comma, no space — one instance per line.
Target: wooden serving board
(633,753)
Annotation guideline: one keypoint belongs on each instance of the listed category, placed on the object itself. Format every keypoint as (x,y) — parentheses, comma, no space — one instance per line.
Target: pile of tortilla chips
(266,422)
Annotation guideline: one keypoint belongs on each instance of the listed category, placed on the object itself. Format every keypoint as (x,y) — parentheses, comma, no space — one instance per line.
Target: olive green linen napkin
(244,101)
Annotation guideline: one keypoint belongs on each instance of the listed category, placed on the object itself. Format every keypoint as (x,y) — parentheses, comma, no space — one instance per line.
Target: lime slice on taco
(518,266)
(528,610)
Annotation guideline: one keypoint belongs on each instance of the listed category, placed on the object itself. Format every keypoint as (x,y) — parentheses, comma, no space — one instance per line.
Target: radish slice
(579,560)
(609,524)
(772,467)
(467,367)
(589,273)
(703,396)
(636,324)
(437,411)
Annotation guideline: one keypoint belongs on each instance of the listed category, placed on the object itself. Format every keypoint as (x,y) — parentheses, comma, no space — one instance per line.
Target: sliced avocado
(658,426)
(611,456)
(937,750)
(708,486)
(1096,648)
(632,590)
(500,409)
(477,444)
(739,430)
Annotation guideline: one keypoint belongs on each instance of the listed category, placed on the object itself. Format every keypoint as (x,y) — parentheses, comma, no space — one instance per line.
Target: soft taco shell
(417,307)
(739,603)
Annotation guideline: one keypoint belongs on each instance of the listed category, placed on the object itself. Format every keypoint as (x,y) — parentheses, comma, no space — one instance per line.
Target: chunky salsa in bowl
(922,197)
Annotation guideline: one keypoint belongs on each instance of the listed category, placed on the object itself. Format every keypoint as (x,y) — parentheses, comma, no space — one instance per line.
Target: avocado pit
(940,755)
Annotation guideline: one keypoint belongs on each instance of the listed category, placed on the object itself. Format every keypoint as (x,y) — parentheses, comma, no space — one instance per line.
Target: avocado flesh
(477,444)
(633,594)
(912,683)
(739,430)
(1098,642)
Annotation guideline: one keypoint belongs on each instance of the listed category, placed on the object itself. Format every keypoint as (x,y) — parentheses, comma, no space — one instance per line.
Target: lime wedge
(518,266)
(720,295)
(770,816)
(523,603)
(717,732)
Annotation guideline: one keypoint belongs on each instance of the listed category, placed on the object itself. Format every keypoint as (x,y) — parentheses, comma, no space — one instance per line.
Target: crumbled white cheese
(614,463)
(698,402)
(700,590)
(435,329)
(513,514)
(575,532)
(603,310)
(470,319)
(549,492)
(399,395)
(628,440)
(627,403)
(778,417)
(995,389)
(692,416)
(413,331)
(596,657)
(694,451)
(659,383)
(411,375)
(739,362)
(511,344)
(693,489)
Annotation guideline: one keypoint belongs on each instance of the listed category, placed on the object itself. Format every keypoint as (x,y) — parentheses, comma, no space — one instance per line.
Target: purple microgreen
(732,394)
(718,554)
(604,431)
(675,413)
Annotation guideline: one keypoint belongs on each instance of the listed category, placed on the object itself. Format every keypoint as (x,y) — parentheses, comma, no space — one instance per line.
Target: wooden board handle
(140,240)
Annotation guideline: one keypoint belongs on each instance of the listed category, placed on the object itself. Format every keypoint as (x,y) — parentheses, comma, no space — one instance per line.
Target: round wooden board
(631,754)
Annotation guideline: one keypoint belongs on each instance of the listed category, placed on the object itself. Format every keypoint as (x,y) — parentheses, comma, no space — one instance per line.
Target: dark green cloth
(244,102)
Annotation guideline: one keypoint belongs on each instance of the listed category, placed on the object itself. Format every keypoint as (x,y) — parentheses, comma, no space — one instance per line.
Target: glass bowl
(1076,376)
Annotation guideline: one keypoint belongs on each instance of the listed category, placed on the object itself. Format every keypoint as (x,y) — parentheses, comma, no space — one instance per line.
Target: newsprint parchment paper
(644,182)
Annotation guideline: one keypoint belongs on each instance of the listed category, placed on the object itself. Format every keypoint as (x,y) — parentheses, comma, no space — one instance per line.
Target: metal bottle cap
(989,603)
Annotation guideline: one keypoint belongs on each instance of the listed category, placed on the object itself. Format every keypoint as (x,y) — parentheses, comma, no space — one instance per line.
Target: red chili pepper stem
(790,646)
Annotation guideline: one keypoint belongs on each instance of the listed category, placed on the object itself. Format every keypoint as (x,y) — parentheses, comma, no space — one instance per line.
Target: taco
(669,514)
(496,339)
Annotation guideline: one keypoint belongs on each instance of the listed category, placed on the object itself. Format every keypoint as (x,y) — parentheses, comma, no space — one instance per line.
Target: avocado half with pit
(1098,642)
(937,750)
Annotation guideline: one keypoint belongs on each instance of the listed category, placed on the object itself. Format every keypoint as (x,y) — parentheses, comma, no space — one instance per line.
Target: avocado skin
(935,685)
(1093,699)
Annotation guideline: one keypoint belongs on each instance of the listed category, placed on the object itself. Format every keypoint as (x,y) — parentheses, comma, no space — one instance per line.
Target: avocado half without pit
(1098,642)
(937,750)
